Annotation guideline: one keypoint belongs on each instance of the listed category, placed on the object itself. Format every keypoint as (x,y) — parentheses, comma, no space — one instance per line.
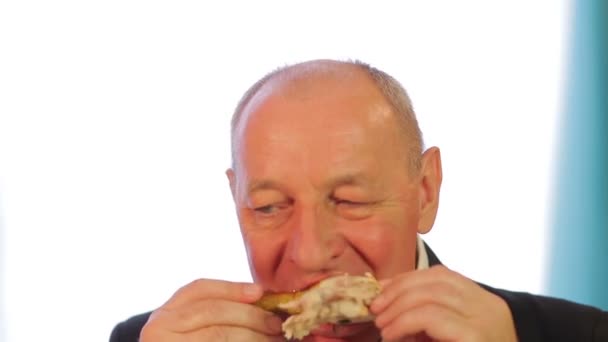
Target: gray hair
(394,93)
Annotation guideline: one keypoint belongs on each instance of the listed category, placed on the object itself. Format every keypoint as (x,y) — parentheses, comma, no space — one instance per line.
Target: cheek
(264,251)
(388,247)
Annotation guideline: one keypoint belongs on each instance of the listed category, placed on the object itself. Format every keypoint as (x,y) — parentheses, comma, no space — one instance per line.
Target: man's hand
(212,310)
(438,304)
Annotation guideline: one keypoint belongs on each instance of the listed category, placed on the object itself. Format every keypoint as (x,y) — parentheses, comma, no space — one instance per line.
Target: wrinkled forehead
(315,93)
(318,123)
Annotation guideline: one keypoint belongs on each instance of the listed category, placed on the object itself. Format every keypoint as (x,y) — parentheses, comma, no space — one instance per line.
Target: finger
(218,289)
(211,312)
(384,282)
(435,321)
(438,293)
(403,282)
(230,333)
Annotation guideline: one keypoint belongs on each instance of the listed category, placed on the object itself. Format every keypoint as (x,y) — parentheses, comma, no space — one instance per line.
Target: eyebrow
(353,179)
(264,184)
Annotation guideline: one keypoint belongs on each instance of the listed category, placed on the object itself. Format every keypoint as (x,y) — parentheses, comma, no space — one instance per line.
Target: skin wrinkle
(333,195)
(327,165)
(293,80)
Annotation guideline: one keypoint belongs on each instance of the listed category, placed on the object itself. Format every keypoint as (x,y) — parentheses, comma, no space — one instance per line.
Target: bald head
(309,79)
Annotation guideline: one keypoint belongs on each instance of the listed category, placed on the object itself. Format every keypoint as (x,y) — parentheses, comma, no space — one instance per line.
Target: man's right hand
(213,310)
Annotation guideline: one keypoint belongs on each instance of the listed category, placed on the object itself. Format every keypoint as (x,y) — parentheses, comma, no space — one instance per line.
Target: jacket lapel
(433,259)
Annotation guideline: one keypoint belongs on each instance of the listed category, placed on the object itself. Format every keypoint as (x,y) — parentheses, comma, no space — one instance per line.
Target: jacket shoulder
(129,330)
(540,318)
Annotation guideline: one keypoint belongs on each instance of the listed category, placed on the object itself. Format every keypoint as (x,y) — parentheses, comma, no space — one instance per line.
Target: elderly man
(329,176)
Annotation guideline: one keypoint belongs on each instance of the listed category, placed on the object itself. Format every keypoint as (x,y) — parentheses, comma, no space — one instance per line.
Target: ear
(232,180)
(430,183)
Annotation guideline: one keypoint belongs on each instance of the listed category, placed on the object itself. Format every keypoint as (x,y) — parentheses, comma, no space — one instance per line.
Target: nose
(314,244)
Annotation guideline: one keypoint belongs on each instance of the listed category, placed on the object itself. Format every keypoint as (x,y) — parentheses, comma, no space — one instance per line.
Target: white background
(114,120)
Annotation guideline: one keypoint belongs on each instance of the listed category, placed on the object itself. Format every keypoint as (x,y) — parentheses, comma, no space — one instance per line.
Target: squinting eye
(348,203)
(352,210)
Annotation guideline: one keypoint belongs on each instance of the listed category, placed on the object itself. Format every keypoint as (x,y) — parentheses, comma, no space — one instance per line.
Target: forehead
(319,81)
(324,121)
(301,98)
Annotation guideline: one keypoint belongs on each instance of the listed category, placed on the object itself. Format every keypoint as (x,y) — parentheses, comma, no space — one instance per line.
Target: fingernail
(274,323)
(252,291)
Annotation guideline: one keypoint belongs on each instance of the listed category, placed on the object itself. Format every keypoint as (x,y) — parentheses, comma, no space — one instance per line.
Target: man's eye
(348,202)
(267,209)
(353,210)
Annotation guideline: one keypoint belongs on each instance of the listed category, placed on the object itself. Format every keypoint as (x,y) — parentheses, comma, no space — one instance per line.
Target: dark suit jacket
(536,318)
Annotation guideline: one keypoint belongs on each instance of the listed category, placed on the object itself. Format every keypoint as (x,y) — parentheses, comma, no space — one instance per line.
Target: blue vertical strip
(578,264)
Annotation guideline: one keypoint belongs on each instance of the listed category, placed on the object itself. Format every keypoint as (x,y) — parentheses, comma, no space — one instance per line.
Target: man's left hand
(438,304)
